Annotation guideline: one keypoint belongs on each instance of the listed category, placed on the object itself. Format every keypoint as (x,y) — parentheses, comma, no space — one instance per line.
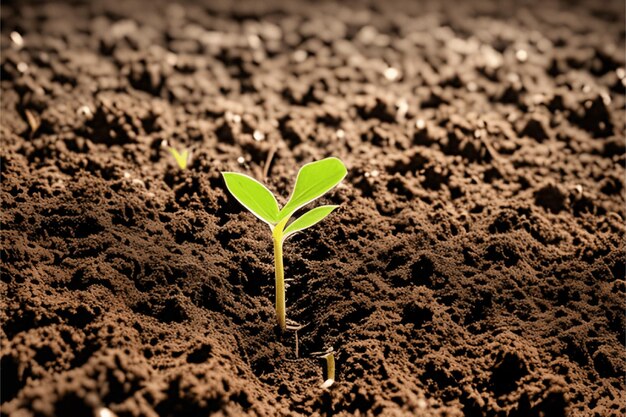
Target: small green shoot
(314,180)
(182,158)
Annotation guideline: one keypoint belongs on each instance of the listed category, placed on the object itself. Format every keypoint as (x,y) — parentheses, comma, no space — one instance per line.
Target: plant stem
(277,236)
(280,283)
(330,370)
(330,366)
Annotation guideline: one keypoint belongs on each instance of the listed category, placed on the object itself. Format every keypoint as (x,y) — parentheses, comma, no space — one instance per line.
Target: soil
(475,267)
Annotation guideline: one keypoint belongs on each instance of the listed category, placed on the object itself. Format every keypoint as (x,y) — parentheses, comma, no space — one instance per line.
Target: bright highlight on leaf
(314,180)
(308,219)
(253,195)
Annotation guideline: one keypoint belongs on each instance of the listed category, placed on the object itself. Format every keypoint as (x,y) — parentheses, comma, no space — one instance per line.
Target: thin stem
(280,283)
(330,366)
(330,370)
(278,237)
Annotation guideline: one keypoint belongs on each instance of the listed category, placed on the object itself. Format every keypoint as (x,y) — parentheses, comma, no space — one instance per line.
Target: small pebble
(521,55)
(340,133)
(241,160)
(420,124)
(300,55)
(391,74)
(105,412)
(126,174)
(22,67)
(258,135)
(17,39)
(86,111)
(232,117)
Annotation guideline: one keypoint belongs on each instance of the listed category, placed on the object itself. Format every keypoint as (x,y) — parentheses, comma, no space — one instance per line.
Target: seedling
(313,180)
(182,158)
(329,355)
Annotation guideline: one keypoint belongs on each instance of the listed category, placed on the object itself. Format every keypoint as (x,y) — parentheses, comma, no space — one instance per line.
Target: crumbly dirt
(475,267)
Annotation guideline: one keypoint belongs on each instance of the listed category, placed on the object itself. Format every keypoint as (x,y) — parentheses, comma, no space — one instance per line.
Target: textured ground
(475,267)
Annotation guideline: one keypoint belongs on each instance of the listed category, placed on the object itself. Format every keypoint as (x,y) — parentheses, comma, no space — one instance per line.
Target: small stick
(297,346)
(268,162)
(292,325)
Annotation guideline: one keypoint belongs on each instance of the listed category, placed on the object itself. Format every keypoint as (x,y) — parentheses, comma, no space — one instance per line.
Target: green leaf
(314,180)
(253,195)
(308,219)
(181,158)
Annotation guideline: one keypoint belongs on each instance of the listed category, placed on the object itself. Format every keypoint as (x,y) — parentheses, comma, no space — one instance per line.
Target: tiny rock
(391,74)
(17,39)
(105,412)
(300,56)
(258,135)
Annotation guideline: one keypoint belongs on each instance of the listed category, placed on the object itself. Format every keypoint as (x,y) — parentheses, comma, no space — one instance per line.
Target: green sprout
(182,158)
(313,180)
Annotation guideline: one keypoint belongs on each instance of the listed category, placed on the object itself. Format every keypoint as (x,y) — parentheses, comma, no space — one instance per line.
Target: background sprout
(314,180)
(182,158)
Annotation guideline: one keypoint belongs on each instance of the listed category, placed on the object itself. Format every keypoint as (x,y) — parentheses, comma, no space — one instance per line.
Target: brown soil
(475,267)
